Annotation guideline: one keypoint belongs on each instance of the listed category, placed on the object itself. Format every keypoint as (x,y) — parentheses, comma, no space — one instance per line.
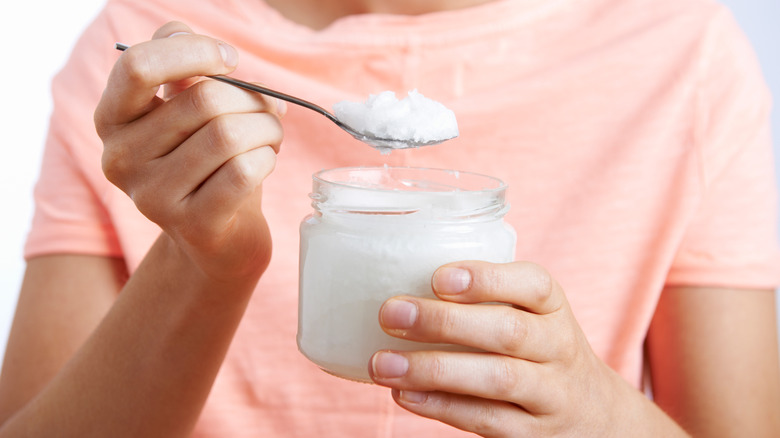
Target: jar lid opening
(439,193)
(408,179)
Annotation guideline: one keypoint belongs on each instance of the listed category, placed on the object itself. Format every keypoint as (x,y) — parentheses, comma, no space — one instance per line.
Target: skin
(714,361)
(153,350)
(84,359)
(713,356)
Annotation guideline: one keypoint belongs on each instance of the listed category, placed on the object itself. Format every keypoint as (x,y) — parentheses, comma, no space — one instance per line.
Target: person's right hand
(193,160)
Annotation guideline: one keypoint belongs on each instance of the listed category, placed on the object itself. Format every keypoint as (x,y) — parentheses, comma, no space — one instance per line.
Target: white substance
(350,263)
(414,119)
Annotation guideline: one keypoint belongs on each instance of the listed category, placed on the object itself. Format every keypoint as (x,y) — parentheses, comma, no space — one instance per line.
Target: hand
(193,161)
(538,375)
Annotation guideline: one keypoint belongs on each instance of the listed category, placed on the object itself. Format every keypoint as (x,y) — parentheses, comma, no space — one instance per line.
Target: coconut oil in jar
(379,232)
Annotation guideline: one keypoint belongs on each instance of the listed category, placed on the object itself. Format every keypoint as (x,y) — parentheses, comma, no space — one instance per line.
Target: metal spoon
(382,144)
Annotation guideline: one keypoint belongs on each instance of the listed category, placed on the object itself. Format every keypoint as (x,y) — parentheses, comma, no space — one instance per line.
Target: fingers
(140,71)
(479,375)
(536,328)
(162,152)
(170,30)
(232,184)
(522,284)
(163,129)
(194,161)
(490,327)
(221,140)
(226,182)
(487,418)
(535,361)
(208,172)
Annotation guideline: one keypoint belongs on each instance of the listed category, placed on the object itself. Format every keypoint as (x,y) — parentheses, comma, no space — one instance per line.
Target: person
(634,139)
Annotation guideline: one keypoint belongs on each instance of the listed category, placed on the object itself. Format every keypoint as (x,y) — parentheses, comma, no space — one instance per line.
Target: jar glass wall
(379,232)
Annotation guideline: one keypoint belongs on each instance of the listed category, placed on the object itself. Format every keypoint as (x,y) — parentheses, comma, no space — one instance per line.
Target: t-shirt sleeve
(732,240)
(70,215)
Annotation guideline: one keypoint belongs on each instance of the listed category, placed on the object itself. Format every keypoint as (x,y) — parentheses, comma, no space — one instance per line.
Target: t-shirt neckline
(389,29)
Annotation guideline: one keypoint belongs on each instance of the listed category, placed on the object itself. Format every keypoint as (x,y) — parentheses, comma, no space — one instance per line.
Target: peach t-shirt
(633,135)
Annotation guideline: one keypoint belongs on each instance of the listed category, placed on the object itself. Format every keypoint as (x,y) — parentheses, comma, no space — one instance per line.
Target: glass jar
(379,232)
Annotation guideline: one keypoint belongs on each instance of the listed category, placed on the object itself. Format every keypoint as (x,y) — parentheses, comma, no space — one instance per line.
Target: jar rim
(419,192)
(456,180)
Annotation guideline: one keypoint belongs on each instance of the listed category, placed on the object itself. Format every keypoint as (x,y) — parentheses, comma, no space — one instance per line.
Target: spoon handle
(262,90)
(273,93)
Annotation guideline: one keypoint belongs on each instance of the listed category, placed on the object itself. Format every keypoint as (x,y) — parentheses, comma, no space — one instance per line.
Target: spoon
(381,144)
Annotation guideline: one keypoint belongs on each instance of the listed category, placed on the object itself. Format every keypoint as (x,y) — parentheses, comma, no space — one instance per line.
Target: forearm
(148,367)
(640,417)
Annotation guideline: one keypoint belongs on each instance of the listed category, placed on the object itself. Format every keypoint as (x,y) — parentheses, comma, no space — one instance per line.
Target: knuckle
(275,131)
(221,137)
(446,321)
(486,422)
(437,371)
(569,339)
(205,98)
(491,279)
(541,285)
(99,119)
(135,67)
(559,397)
(146,204)
(515,334)
(448,405)
(568,348)
(504,379)
(139,185)
(151,202)
(115,165)
(240,174)
(269,130)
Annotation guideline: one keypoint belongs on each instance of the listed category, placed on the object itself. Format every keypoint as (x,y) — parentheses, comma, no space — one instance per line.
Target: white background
(37,36)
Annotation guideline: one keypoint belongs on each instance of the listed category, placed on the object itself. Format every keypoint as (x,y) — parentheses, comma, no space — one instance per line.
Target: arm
(145,370)
(714,360)
(63,299)
(149,358)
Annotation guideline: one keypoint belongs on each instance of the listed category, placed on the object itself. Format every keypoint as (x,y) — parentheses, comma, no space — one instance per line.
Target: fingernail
(388,365)
(398,314)
(229,55)
(413,396)
(178,33)
(451,281)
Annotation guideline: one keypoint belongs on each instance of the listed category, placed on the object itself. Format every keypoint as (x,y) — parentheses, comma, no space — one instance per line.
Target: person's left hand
(538,375)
